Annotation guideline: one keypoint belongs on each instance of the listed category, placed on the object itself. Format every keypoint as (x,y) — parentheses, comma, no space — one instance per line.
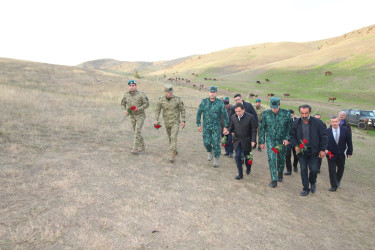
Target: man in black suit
(289,151)
(339,139)
(314,132)
(243,126)
(320,159)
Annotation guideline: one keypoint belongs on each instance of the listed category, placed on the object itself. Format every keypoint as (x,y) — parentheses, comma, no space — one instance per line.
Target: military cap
(213,89)
(257,100)
(274,102)
(132,82)
(168,88)
(226,98)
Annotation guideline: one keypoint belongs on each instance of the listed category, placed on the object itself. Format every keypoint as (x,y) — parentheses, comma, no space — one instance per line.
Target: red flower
(132,108)
(157,126)
(232,141)
(301,146)
(250,162)
(224,145)
(330,155)
(304,141)
(275,150)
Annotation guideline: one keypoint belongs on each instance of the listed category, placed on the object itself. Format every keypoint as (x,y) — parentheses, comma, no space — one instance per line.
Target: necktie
(336,137)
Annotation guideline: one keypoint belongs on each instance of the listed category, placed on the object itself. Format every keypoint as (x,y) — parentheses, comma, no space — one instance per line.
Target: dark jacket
(345,140)
(347,125)
(244,131)
(230,112)
(318,135)
(250,109)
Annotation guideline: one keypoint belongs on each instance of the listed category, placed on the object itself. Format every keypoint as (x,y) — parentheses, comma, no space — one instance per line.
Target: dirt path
(68,180)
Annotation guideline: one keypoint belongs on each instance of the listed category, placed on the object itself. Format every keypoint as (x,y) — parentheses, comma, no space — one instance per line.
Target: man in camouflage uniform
(137,116)
(173,111)
(259,109)
(276,123)
(212,109)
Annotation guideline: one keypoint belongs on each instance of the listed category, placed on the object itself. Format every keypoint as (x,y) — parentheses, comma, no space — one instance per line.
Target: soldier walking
(212,109)
(276,123)
(173,111)
(259,109)
(135,102)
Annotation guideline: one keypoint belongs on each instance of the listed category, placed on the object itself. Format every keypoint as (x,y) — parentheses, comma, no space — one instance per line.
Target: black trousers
(336,170)
(288,158)
(238,159)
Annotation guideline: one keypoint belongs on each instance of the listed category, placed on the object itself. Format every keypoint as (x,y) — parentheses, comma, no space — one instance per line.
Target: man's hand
(298,150)
(253,144)
(262,146)
(349,156)
(200,129)
(135,110)
(182,125)
(126,112)
(225,131)
(322,154)
(286,142)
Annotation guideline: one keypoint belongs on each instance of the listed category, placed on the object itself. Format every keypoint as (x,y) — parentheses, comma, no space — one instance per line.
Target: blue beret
(131,82)
(258,100)
(226,98)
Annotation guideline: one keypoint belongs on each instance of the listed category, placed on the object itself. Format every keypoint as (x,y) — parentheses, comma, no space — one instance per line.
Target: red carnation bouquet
(224,141)
(157,125)
(277,148)
(330,155)
(130,109)
(302,146)
(249,158)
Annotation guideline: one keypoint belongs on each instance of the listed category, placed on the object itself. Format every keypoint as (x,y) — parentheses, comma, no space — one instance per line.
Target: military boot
(216,162)
(210,156)
(172,156)
(279,176)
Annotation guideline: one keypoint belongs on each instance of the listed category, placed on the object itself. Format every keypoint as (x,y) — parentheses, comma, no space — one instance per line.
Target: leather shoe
(338,184)
(279,177)
(332,189)
(295,170)
(313,188)
(238,177)
(259,149)
(304,193)
(230,155)
(248,170)
(318,172)
(273,184)
(288,173)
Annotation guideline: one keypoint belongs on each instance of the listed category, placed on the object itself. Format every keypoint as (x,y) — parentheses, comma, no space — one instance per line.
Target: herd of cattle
(250,95)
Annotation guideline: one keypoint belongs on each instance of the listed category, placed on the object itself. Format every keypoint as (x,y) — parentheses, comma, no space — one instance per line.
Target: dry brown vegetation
(68,180)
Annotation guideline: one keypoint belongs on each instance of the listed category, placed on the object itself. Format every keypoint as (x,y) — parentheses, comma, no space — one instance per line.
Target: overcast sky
(71,32)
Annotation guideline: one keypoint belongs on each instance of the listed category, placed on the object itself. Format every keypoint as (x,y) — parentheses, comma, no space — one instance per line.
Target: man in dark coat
(229,144)
(343,122)
(248,107)
(314,132)
(339,139)
(243,126)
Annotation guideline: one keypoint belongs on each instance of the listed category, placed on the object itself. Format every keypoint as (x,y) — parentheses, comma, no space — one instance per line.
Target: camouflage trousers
(172,131)
(211,141)
(276,162)
(137,124)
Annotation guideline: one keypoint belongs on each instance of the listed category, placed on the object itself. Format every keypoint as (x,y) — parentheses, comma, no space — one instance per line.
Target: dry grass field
(68,180)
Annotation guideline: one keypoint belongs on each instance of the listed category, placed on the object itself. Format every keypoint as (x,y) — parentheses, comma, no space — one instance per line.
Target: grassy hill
(68,179)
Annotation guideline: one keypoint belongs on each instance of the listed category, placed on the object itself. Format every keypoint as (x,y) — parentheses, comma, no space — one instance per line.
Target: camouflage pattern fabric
(173,111)
(275,129)
(212,113)
(140,100)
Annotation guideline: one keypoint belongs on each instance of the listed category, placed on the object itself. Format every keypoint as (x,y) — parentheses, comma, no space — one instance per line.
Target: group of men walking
(279,132)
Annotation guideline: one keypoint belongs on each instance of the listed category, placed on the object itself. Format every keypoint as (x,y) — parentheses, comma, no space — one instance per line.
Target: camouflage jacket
(173,109)
(260,111)
(138,99)
(212,113)
(277,127)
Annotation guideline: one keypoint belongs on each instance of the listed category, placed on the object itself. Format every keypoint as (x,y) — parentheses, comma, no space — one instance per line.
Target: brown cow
(286,95)
(251,95)
(331,99)
(187,81)
(267,80)
(227,89)
(328,73)
(270,95)
(258,82)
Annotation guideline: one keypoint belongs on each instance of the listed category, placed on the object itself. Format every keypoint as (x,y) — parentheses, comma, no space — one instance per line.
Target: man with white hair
(343,122)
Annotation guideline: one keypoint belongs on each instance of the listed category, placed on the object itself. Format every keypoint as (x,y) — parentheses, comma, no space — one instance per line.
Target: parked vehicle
(361,118)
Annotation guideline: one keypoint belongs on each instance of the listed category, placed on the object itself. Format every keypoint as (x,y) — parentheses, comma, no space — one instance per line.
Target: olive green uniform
(140,100)
(276,129)
(173,111)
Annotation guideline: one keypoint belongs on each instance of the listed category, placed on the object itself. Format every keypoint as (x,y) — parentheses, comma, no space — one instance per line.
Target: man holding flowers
(274,128)
(309,137)
(173,111)
(135,102)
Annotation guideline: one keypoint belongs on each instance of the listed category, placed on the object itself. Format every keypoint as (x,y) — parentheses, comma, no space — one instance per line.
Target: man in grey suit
(244,128)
